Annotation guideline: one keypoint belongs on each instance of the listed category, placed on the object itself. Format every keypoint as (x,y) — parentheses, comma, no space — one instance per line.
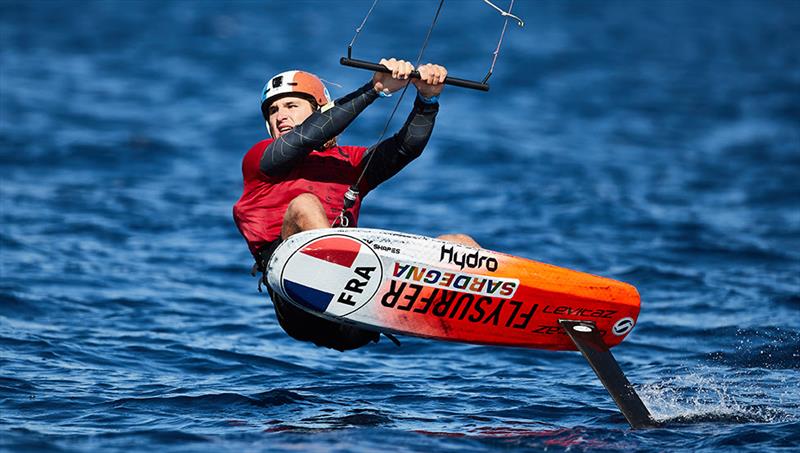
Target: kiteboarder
(296,180)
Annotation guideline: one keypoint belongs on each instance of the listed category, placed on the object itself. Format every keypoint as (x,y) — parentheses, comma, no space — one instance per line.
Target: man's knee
(460,238)
(303,202)
(305,212)
(304,206)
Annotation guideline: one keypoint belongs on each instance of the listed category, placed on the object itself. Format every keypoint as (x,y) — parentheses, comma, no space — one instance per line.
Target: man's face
(286,113)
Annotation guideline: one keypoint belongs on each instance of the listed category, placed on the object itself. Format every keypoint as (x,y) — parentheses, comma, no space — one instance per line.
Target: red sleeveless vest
(327,174)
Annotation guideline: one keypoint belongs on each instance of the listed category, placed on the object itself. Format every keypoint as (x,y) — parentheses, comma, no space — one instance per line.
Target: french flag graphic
(319,271)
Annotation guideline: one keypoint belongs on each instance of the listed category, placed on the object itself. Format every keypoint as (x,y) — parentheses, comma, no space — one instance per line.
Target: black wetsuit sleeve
(284,152)
(394,153)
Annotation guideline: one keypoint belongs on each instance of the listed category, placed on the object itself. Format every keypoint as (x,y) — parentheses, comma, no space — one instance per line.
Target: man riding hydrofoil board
(296,180)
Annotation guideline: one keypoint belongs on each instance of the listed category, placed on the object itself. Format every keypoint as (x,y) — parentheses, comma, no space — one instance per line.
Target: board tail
(589,341)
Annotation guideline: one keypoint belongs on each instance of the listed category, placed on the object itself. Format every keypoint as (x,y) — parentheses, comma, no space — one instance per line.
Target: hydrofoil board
(425,287)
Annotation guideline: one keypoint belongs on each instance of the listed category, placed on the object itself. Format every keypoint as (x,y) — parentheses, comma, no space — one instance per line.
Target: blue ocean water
(656,142)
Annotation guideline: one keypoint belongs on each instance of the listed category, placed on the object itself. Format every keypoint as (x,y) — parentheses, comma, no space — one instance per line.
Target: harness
(261,260)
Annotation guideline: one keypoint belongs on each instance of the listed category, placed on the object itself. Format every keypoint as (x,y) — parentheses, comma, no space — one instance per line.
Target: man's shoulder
(251,160)
(255,151)
(261,145)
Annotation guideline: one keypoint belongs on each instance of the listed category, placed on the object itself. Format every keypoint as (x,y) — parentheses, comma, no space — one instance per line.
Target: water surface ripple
(654,142)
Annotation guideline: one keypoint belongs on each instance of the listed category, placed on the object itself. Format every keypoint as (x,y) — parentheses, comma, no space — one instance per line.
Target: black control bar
(361,64)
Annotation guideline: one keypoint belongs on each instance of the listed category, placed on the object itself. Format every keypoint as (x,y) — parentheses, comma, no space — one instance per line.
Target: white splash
(706,394)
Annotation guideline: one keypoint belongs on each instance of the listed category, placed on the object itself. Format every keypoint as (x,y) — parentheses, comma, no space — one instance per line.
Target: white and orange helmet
(295,82)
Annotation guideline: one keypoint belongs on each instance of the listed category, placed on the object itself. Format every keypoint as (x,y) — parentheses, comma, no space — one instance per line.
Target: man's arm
(282,154)
(394,153)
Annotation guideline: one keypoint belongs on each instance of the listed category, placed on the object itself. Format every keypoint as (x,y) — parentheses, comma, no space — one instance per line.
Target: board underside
(420,286)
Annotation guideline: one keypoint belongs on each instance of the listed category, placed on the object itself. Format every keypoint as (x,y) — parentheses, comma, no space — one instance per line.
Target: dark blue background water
(657,142)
